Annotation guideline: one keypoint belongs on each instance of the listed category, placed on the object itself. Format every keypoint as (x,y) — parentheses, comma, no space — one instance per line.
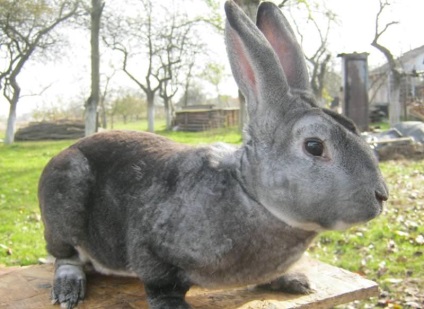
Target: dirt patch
(412,151)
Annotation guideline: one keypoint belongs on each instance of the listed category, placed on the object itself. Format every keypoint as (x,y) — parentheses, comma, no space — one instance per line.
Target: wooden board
(29,288)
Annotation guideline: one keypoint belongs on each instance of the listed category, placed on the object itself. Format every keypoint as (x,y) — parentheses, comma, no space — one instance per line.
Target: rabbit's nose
(382,193)
(381,197)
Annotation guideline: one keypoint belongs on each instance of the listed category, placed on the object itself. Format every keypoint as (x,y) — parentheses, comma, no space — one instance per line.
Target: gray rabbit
(137,204)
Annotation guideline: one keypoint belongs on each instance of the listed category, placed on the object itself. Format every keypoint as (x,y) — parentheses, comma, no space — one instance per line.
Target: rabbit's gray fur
(174,215)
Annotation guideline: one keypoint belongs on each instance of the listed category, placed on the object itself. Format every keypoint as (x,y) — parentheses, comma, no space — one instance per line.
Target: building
(412,81)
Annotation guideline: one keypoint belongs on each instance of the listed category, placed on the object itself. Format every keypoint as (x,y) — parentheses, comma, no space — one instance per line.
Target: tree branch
(393,65)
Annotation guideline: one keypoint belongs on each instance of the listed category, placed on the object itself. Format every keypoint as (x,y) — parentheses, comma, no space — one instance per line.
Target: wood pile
(202,120)
(59,130)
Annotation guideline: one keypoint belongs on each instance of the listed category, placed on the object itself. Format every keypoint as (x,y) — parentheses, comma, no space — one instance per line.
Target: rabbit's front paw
(294,283)
(68,286)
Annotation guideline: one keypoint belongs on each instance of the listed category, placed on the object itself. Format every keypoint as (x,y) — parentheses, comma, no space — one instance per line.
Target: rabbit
(173,215)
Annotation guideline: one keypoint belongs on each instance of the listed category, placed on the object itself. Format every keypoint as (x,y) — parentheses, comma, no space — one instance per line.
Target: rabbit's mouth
(373,211)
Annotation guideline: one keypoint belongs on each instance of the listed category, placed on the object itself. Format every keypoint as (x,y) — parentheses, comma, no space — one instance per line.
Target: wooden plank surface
(29,288)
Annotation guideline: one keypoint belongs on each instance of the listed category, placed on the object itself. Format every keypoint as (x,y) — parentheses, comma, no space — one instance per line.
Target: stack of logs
(59,130)
(197,120)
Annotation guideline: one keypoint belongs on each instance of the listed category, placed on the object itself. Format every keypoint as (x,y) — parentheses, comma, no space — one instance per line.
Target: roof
(409,55)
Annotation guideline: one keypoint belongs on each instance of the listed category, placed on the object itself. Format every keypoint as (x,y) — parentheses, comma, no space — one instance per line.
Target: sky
(357,26)
(353,32)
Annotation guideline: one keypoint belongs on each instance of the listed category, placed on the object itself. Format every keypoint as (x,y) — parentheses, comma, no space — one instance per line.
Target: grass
(383,125)
(230,135)
(389,249)
(20,226)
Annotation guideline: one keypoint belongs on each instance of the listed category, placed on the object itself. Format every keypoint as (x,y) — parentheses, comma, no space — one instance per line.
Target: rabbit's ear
(254,63)
(280,35)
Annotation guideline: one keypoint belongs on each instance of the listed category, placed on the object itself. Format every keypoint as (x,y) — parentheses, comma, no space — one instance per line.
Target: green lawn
(389,249)
(230,135)
(21,241)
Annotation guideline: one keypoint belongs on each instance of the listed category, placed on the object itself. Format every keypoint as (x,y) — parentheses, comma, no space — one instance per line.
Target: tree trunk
(11,122)
(151,111)
(103,114)
(93,101)
(394,104)
(90,117)
(168,115)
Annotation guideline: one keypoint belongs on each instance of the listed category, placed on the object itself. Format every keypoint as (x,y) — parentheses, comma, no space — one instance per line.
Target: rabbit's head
(308,166)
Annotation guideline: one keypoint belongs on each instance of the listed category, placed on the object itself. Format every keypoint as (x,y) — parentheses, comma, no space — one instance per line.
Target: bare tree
(188,77)
(103,96)
(214,72)
(395,75)
(146,36)
(319,60)
(179,52)
(153,49)
(24,28)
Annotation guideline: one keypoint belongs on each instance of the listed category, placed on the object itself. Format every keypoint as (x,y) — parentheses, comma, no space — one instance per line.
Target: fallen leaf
(419,240)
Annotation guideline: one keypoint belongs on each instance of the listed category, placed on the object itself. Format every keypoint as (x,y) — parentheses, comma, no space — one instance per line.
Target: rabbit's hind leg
(69,282)
(167,297)
(166,289)
(293,283)
(64,191)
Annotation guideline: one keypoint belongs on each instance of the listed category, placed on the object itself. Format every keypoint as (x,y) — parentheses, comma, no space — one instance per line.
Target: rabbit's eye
(314,147)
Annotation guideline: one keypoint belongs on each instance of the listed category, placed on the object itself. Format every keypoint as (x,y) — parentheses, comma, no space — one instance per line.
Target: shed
(202,119)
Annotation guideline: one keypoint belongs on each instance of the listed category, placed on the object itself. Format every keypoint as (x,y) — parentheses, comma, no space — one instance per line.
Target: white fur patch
(85,257)
(307,226)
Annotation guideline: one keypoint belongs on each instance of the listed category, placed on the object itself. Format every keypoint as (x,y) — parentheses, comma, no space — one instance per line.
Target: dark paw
(166,296)
(168,303)
(294,283)
(68,285)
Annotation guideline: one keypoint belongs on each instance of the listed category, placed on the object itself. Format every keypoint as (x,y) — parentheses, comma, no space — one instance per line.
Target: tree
(189,68)
(126,106)
(320,59)
(180,48)
(25,27)
(214,72)
(395,76)
(322,20)
(94,99)
(153,46)
(103,96)
(193,95)
(145,33)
